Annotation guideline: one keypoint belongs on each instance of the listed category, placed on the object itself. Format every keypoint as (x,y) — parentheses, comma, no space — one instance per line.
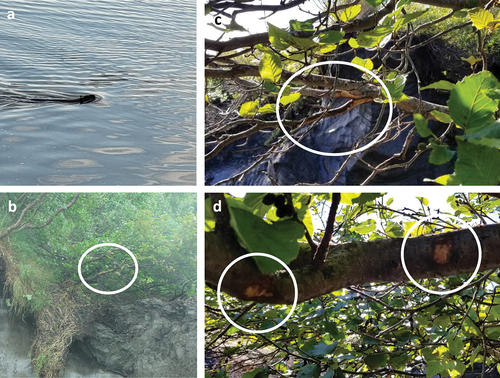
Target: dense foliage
(159,229)
(375,329)
(247,71)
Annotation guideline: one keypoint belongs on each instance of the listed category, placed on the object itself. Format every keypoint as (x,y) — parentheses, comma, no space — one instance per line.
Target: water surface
(138,57)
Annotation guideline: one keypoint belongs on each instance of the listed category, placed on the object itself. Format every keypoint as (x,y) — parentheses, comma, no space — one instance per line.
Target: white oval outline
(219,300)
(107,245)
(444,292)
(347,153)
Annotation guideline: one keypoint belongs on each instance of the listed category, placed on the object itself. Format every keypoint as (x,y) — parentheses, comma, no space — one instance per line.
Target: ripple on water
(141,59)
(68,180)
(77,163)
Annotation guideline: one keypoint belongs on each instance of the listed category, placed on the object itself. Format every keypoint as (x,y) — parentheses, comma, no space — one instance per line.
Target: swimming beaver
(85,99)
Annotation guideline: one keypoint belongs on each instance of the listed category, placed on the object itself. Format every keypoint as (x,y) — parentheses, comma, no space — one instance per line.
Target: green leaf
(423,200)
(474,354)
(350,13)
(471,60)
(329,374)
(374,3)
(441,117)
(399,362)
(353,43)
(440,154)
(494,94)
(441,84)
(455,345)
(264,49)
(493,333)
(278,239)
(407,18)
(323,349)
(370,340)
(285,100)
(365,227)
(309,371)
(366,63)
(254,202)
(488,136)
(332,36)
(373,37)
(480,17)
(366,197)
(279,39)
(376,361)
(301,25)
(435,367)
(270,68)
(422,125)
(394,230)
(452,180)
(267,109)
(477,165)
(249,109)
(303,43)
(460,13)
(469,107)
(348,197)
(396,85)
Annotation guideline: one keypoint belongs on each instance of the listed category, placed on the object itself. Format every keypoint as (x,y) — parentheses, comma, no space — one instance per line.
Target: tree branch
(322,251)
(351,264)
(344,88)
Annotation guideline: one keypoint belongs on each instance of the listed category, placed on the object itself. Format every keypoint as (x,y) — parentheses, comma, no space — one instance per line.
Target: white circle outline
(347,153)
(219,300)
(444,292)
(107,245)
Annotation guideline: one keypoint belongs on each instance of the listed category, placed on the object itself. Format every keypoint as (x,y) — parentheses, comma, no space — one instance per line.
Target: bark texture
(431,256)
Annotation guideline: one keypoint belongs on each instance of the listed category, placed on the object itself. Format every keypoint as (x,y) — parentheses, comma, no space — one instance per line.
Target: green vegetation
(371,321)
(42,242)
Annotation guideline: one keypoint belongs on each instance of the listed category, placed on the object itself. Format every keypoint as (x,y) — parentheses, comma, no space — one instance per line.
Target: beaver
(84,99)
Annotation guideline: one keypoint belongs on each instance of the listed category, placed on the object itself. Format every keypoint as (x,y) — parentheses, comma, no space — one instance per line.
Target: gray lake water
(137,56)
(16,337)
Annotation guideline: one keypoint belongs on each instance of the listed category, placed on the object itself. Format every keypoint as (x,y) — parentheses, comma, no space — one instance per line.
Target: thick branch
(433,256)
(344,88)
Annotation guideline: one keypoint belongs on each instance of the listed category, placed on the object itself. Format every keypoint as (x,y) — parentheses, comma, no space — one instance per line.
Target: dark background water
(139,56)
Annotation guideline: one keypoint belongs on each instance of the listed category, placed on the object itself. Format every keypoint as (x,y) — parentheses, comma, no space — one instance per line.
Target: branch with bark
(428,256)
(344,88)
(23,224)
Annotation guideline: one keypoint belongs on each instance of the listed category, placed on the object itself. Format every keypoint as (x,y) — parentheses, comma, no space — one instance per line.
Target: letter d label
(217,207)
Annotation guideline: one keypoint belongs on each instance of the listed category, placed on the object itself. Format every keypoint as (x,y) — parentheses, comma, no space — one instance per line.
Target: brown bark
(344,88)
(433,256)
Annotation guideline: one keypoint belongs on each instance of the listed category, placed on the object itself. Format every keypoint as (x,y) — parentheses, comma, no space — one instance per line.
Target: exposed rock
(145,338)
